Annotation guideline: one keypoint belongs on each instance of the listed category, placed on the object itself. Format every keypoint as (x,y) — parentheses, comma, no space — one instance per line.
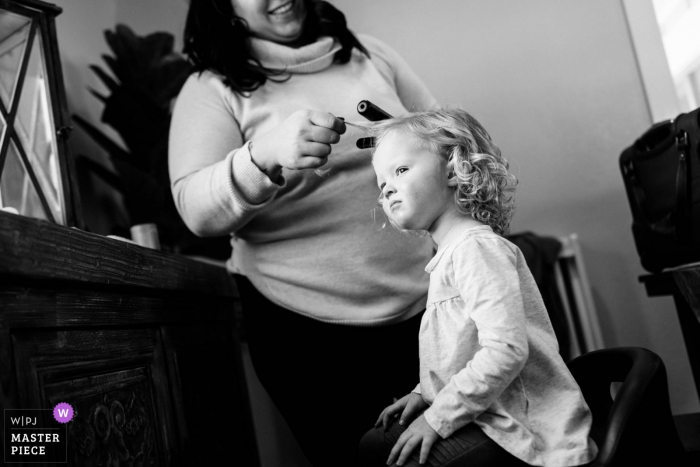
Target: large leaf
(124,44)
(112,148)
(146,63)
(171,77)
(112,179)
(111,84)
(116,67)
(102,98)
(143,195)
(154,48)
(139,121)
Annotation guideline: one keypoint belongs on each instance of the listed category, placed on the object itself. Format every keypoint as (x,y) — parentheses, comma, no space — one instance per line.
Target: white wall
(557,85)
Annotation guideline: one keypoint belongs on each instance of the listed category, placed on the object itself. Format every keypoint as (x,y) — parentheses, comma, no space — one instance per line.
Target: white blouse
(488,355)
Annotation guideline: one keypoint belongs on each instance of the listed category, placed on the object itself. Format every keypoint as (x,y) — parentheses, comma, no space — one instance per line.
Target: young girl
(493,389)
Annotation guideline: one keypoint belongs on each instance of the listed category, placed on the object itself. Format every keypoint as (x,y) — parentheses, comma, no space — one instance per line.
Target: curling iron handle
(365,143)
(371,112)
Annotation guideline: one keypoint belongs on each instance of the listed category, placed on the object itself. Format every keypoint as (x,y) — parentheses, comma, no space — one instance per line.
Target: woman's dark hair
(216,39)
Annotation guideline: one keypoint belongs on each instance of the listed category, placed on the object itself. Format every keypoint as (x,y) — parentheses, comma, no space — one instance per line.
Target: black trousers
(466,447)
(330,382)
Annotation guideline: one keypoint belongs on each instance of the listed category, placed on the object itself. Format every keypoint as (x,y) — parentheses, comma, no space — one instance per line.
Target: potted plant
(143,77)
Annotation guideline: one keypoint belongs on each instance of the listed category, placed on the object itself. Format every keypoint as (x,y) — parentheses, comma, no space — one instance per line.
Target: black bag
(661,171)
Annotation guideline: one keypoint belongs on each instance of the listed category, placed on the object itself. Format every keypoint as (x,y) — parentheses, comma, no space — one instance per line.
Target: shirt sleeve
(412,92)
(215,184)
(485,274)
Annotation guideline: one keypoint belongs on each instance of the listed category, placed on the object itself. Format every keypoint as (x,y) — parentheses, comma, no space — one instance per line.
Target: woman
(326,292)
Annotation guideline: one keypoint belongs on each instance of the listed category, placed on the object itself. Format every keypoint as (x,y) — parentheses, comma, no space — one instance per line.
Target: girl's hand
(409,406)
(419,433)
(302,141)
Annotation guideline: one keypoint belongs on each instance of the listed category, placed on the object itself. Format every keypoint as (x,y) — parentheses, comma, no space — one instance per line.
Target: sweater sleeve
(412,92)
(216,187)
(486,276)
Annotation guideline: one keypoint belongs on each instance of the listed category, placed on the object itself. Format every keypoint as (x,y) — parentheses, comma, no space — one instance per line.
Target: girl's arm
(485,273)
(216,186)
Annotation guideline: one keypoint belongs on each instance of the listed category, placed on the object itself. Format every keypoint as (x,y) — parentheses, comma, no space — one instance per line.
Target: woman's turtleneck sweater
(309,243)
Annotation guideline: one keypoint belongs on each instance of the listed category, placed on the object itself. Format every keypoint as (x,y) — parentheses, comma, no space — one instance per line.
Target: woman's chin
(289,35)
(289,29)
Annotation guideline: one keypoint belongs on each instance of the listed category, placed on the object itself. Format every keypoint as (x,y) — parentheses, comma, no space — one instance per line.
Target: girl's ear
(451,179)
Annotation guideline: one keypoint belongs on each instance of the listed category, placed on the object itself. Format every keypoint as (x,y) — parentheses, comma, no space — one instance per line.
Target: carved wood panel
(117,382)
(118,426)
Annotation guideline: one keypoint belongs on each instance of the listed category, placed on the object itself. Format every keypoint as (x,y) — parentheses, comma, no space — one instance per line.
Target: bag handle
(682,216)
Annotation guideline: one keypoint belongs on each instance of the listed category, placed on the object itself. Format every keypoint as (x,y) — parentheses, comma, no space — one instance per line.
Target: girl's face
(280,21)
(414,182)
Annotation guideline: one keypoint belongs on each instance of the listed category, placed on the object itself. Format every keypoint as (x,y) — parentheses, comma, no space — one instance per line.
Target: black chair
(636,428)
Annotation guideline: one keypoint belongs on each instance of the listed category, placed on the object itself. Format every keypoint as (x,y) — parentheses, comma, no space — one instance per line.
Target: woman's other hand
(419,433)
(302,141)
(409,406)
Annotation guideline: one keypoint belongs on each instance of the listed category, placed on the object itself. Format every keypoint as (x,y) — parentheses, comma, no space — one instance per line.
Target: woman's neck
(308,36)
(301,41)
(310,58)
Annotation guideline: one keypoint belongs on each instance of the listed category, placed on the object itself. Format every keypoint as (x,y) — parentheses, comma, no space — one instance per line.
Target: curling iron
(372,113)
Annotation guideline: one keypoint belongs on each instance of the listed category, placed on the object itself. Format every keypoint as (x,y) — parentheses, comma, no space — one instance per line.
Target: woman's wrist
(258,158)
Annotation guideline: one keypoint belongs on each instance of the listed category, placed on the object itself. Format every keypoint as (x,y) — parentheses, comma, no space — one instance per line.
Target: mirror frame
(43,17)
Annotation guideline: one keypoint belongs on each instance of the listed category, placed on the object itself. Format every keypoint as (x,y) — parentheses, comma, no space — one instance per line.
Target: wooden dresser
(143,344)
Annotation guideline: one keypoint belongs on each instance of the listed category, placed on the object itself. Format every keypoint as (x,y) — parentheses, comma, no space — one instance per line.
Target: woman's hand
(419,433)
(409,406)
(302,141)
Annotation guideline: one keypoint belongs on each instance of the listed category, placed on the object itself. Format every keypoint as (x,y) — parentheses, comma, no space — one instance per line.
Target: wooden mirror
(35,168)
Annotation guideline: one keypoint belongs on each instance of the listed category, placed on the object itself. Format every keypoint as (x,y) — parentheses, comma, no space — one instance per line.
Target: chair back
(636,427)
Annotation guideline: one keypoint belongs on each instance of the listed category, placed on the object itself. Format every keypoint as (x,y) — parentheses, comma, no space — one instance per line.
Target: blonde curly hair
(485,189)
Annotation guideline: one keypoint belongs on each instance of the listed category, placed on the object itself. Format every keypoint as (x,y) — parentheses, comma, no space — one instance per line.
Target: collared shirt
(488,355)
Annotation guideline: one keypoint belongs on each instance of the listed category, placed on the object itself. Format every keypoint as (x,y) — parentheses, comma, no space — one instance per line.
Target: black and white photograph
(350,233)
